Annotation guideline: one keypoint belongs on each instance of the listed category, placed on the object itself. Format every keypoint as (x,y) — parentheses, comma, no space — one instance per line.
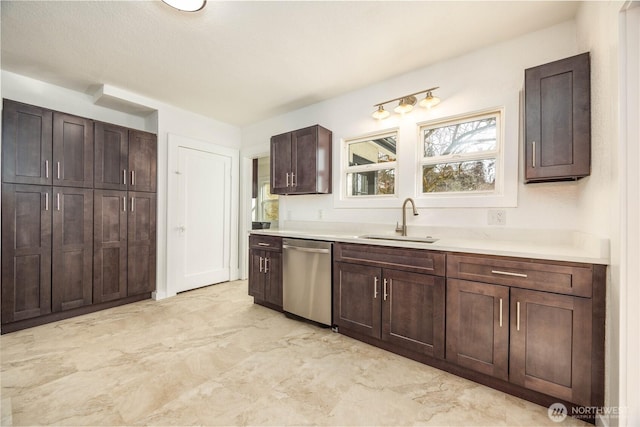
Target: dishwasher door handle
(311,250)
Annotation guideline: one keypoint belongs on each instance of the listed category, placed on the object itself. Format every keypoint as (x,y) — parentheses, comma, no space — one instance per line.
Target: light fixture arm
(406,96)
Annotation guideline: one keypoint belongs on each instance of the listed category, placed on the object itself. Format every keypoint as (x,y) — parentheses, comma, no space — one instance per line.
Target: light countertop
(556,245)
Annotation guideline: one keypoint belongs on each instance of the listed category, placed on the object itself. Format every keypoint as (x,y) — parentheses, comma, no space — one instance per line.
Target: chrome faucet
(403,229)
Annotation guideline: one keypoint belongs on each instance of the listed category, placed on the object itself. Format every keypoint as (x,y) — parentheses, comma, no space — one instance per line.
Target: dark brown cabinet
(301,161)
(558,120)
(143,152)
(111,156)
(141,243)
(110,245)
(265,270)
(523,331)
(68,249)
(478,327)
(551,340)
(27,156)
(72,151)
(124,159)
(402,308)
(72,248)
(26,251)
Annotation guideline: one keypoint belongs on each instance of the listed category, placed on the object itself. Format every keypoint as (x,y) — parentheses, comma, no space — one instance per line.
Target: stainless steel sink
(427,239)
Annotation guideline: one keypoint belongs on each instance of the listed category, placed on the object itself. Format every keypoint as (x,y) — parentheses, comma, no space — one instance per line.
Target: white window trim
(354,201)
(499,197)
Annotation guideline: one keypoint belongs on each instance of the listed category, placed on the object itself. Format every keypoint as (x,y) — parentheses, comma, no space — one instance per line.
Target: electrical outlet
(497,217)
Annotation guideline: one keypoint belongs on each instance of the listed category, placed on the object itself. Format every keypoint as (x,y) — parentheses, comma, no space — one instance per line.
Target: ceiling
(241,62)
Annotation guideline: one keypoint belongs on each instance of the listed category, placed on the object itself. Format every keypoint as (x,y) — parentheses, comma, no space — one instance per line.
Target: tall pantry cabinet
(78,215)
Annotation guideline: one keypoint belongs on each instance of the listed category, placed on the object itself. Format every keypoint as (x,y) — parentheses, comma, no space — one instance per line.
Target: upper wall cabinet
(72,151)
(27,156)
(45,147)
(301,161)
(124,159)
(558,120)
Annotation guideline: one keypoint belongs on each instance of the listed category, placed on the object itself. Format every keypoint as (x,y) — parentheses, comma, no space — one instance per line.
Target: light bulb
(405,105)
(380,113)
(429,101)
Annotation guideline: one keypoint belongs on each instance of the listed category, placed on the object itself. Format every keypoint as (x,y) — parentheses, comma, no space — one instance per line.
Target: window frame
(463,198)
(346,169)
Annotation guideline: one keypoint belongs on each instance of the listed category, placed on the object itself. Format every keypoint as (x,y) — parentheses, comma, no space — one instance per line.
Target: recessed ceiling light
(186,5)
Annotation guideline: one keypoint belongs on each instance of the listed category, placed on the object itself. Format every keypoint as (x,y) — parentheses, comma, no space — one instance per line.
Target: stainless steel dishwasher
(306,279)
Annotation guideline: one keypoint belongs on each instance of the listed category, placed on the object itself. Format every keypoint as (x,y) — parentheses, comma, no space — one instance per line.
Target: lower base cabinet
(531,328)
(402,308)
(265,270)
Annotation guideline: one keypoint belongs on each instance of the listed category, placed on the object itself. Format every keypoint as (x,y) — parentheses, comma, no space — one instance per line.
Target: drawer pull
(508,273)
(266,264)
(261,261)
(518,316)
(46,201)
(264,244)
(46,168)
(501,312)
(385,294)
(533,154)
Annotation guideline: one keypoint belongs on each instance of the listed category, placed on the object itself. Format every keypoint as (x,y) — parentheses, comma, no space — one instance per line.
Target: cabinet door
(304,156)
(110,245)
(273,277)
(26,144)
(357,296)
(551,344)
(72,248)
(111,156)
(558,130)
(256,274)
(478,327)
(72,151)
(26,251)
(143,153)
(141,231)
(413,311)
(281,163)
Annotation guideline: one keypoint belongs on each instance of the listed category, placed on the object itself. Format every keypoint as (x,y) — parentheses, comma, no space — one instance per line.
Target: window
(370,168)
(460,156)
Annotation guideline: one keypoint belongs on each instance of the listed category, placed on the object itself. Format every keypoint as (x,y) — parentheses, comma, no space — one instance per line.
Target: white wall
(488,78)
(164,120)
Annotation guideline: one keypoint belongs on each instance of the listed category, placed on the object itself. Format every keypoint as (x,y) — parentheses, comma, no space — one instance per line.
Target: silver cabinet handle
(133,204)
(133,178)
(46,201)
(58,173)
(501,312)
(261,263)
(293,179)
(508,273)
(517,316)
(46,168)
(287,179)
(311,250)
(124,176)
(124,204)
(533,154)
(375,287)
(264,244)
(58,201)
(385,294)
(266,264)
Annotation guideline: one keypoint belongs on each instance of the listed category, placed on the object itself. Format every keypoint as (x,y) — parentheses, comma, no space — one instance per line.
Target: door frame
(246,173)
(174,143)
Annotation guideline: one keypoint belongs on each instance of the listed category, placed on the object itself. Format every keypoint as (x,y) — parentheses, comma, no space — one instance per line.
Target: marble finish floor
(212,357)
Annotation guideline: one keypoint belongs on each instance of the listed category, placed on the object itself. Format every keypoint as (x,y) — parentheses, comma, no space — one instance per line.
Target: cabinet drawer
(416,260)
(563,278)
(267,243)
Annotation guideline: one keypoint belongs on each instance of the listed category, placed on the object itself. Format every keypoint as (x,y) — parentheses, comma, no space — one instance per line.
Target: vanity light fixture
(186,5)
(406,103)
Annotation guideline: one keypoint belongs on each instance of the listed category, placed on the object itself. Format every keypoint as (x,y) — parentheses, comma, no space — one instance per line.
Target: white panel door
(204,223)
